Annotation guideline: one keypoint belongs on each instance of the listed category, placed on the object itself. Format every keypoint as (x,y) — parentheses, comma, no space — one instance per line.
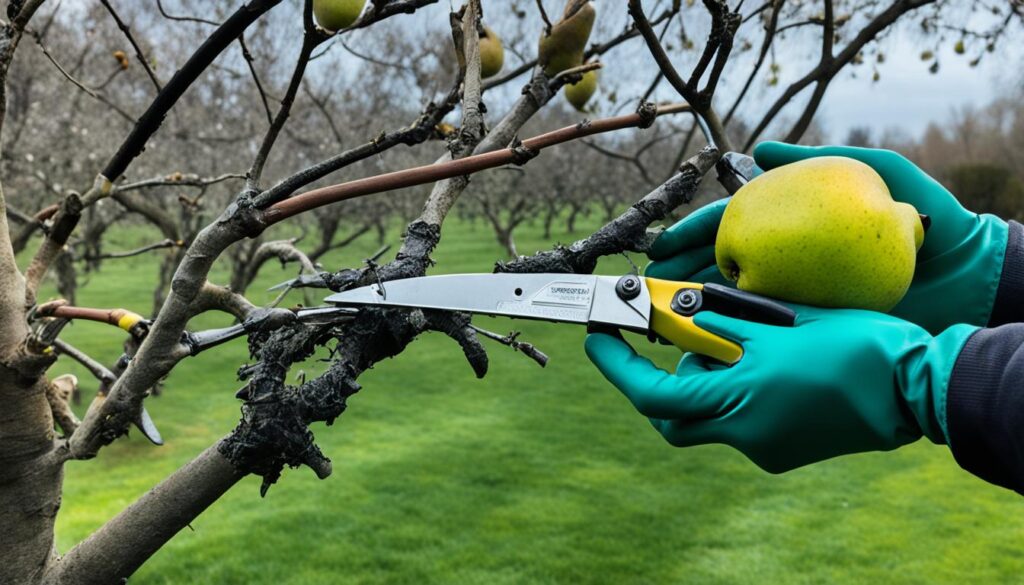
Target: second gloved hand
(958,268)
(840,381)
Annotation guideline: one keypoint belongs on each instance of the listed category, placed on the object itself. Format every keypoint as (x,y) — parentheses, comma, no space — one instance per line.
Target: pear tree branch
(719,45)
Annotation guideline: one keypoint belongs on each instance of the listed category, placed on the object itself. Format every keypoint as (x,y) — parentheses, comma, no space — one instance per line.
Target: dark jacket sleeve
(1009,303)
(985,397)
(985,406)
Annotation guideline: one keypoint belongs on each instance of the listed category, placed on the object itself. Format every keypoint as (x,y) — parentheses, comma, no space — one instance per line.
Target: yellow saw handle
(673,305)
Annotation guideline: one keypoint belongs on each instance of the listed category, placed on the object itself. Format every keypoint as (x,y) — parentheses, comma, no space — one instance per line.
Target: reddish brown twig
(455,168)
(122,318)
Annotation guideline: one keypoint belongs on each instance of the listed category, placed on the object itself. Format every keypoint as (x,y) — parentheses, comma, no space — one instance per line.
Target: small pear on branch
(563,47)
(492,53)
(335,15)
(579,93)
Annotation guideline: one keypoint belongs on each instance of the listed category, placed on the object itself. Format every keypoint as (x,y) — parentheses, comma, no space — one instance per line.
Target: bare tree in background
(241,143)
(976,151)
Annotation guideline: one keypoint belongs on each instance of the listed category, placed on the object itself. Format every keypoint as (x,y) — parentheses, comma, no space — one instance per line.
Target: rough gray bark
(131,537)
(30,480)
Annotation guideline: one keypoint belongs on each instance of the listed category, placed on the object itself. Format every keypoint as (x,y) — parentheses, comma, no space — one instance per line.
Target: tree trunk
(549,218)
(507,241)
(30,488)
(30,479)
(609,210)
(167,268)
(67,276)
(570,223)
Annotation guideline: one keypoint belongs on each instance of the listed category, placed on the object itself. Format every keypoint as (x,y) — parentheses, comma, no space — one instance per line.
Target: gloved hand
(958,268)
(840,381)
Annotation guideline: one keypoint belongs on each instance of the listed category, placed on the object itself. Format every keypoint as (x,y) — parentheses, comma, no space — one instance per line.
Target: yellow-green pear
(824,231)
(579,93)
(334,15)
(492,53)
(563,48)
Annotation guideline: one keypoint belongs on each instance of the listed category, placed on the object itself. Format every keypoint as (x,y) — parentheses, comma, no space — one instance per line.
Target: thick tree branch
(119,547)
(213,297)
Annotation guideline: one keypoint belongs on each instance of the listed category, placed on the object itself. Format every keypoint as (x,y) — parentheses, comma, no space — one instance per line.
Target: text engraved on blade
(565,293)
(544,312)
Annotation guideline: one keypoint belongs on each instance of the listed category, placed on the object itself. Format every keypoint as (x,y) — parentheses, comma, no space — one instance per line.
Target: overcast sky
(909,97)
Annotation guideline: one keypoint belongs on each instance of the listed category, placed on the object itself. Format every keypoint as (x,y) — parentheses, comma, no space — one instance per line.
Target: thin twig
(633,160)
(376,255)
(255,77)
(312,37)
(176,180)
(163,12)
(528,349)
(544,16)
(96,95)
(131,39)
(321,106)
(167,243)
(375,61)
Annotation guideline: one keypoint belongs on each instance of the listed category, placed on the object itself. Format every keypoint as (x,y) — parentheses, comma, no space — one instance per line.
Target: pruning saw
(659,308)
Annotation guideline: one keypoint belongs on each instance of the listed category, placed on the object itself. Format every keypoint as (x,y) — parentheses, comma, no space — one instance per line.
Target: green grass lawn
(528,476)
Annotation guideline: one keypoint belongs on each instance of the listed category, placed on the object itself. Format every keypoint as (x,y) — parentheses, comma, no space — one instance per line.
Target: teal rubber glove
(958,267)
(840,381)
